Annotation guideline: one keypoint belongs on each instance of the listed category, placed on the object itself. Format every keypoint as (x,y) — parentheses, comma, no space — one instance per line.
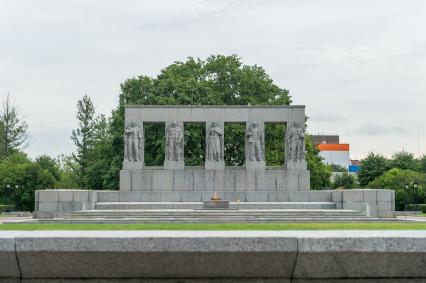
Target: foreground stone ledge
(213,256)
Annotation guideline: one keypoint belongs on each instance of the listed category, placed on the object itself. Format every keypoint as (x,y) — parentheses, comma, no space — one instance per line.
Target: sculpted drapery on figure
(174,142)
(215,143)
(296,142)
(256,142)
(133,143)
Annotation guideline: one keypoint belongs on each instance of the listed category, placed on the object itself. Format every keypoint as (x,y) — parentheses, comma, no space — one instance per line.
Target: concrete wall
(212,256)
(200,180)
(58,203)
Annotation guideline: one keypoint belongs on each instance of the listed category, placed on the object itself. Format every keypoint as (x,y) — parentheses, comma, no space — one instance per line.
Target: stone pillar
(215,145)
(134,142)
(295,150)
(174,150)
(255,145)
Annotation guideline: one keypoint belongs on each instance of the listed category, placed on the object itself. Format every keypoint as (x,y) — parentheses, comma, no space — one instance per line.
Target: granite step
(198,205)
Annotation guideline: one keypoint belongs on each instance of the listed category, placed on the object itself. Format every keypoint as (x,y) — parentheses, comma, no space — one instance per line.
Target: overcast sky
(358,65)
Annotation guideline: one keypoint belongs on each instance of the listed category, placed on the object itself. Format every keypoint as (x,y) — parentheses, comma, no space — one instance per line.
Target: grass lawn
(227,226)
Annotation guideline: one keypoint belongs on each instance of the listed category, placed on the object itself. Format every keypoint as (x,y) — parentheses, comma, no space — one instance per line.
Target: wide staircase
(192,212)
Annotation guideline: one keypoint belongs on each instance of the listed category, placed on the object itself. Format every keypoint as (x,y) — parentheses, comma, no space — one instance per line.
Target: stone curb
(216,254)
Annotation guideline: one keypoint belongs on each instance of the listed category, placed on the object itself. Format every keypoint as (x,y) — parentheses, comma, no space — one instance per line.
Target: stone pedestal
(216,204)
(296,165)
(214,165)
(129,165)
(174,164)
(255,165)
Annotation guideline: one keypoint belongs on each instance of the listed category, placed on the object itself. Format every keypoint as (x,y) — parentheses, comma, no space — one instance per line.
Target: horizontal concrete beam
(209,255)
(163,113)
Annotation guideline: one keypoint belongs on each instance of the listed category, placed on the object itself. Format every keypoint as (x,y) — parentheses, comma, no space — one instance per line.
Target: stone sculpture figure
(256,142)
(215,143)
(296,142)
(174,142)
(133,143)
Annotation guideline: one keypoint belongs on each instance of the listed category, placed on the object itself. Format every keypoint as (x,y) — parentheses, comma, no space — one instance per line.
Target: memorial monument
(177,182)
(256,189)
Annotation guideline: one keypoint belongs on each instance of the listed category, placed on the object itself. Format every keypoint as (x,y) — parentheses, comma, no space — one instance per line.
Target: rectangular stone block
(209,178)
(270,180)
(260,180)
(199,180)
(108,196)
(353,195)
(384,205)
(146,181)
(48,195)
(278,196)
(162,180)
(82,196)
(66,195)
(337,196)
(48,206)
(241,180)
(93,196)
(292,180)
(251,180)
(282,181)
(136,176)
(69,206)
(219,180)
(304,180)
(229,180)
(256,196)
(130,196)
(299,196)
(170,196)
(370,195)
(125,180)
(8,259)
(320,196)
(384,195)
(354,205)
(191,196)
(150,196)
(183,180)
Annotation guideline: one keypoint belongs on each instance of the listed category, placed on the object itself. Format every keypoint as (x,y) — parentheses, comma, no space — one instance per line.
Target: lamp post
(406,197)
(415,185)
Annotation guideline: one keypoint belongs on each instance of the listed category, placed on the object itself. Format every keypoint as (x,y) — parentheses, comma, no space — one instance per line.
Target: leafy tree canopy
(373,166)
(404,160)
(398,180)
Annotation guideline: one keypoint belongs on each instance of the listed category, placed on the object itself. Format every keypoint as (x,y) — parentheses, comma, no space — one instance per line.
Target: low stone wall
(213,256)
(58,203)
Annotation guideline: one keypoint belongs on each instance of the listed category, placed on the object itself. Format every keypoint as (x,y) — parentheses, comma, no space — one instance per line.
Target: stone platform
(61,203)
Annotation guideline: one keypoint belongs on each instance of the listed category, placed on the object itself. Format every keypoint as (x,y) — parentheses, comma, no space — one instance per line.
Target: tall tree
(13,129)
(83,137)
(404,160)
(373,166)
